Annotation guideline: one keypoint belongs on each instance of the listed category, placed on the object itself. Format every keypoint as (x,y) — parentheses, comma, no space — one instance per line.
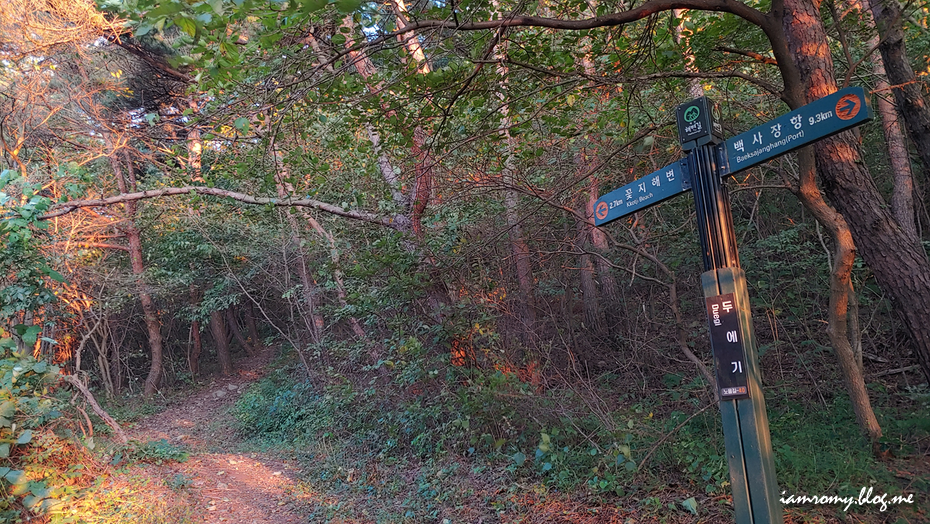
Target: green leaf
(7,409)
(314,5)
(338,40)
(347,6)
(186,24)
(40,367)
(242,124)
(690,505)
(518,458)
(32,334)
(14,476)
(5,452)
(217,6)
(25,438)
(55,275)
(142,29)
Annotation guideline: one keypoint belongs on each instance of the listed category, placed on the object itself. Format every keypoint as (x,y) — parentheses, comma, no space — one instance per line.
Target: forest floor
(219,480)
(196,468)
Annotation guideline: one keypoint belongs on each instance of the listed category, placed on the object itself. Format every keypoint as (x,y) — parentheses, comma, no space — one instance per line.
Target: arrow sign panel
(647,191)
(821,118)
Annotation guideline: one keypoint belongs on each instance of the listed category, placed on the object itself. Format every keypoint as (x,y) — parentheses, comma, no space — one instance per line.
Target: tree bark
(902,195)
(909,92)
(223,355)
(898,261)
(589,292)
(126,182)
(250,325)
(843,337)
(237,333)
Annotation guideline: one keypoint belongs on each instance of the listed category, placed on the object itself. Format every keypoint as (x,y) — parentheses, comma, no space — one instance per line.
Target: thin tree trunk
(193,357)
(134,238)
(589,294)
(610,297)
(902,195)
(843,336)
(522,258)
(220,338)
(250,325)
(337,274)
(682,38)
(909,92)
(237,333)
(311,317)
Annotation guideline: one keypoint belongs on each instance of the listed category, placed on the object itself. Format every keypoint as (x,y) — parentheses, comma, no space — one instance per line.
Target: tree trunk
(843,337)
(589,294)
(909,91)
(898,261)
(902,195)
(134,238)
(337,274)
(223,355)
(682,35)
(237,333)
(250,325)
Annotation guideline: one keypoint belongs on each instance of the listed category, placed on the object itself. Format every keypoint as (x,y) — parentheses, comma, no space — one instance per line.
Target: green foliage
(156,452)
(24,272)
(25,409)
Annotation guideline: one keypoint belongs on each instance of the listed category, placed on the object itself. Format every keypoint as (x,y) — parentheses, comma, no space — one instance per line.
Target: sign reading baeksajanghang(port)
(845,109)
(651,189)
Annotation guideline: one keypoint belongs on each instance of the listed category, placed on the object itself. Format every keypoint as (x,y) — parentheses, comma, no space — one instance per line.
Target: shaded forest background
(398,199)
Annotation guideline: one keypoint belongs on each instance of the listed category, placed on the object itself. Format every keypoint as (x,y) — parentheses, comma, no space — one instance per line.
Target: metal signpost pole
(742,406)
(733,342)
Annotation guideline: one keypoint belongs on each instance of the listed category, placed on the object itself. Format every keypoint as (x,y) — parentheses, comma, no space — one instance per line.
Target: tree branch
(64,208)
(649,8)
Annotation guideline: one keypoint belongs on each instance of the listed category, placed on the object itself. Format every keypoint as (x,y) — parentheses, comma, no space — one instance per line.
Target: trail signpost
(733,343)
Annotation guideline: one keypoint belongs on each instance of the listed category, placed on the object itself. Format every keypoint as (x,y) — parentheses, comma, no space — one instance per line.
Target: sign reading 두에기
(727,345)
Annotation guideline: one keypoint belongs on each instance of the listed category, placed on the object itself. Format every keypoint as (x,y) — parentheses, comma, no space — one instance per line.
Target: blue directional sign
(845,109)
(647,191)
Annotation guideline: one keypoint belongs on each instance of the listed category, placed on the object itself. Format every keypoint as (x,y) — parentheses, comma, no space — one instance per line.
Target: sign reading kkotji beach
(732,339)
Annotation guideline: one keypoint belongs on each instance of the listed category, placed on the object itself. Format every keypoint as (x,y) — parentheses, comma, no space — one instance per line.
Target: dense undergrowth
(428,448)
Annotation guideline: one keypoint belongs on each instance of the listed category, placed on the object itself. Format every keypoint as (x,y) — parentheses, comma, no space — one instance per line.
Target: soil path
(227,483)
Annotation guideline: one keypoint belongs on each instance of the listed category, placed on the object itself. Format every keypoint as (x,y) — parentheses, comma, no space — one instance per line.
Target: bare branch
(64,208)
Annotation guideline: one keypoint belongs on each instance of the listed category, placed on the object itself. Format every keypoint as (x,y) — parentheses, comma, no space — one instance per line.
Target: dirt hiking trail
(220,484)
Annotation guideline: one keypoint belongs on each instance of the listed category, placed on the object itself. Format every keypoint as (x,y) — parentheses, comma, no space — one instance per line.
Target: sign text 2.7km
(821,118)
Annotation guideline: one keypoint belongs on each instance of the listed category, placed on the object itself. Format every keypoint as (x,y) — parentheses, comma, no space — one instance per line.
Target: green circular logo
(692,113)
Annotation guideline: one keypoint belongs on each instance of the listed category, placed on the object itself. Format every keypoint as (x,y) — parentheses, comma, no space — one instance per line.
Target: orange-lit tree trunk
(898,260)
(843,336)
(126,182)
